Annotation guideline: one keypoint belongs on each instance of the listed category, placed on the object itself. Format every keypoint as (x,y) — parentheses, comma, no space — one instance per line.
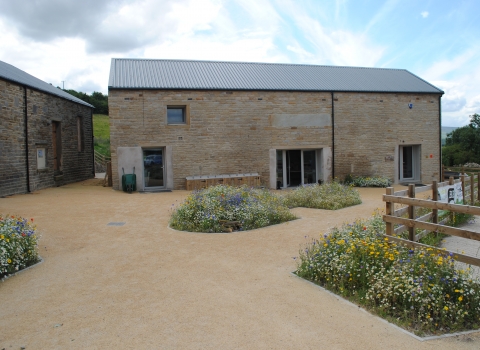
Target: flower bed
(215,208)
(367,181)
(18,244)
(330,196)
(420,290)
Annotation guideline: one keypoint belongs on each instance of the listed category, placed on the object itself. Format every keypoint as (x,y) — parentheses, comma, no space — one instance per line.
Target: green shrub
(367,181)
(205,210)
(18,244)
(419,289)
(330,196)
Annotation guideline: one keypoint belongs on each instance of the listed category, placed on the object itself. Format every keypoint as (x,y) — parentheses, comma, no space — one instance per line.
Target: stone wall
(42,109)
(233,131)
(370,127)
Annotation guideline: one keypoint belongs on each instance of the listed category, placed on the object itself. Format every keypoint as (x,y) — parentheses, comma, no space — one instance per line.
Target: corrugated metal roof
(211,75)
(9,72)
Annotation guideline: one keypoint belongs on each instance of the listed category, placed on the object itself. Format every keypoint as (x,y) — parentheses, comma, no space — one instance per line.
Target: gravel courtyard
(145,286)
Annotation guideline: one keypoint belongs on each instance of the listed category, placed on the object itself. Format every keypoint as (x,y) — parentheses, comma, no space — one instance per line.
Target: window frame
(186,114)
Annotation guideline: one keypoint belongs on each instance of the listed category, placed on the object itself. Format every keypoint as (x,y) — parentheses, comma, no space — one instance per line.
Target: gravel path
(144,286)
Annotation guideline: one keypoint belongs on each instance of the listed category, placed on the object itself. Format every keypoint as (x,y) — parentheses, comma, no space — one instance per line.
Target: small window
(176,115)
(81,146)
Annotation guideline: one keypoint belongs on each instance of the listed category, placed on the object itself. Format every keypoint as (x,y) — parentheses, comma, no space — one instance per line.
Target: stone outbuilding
(291,124)
(46,134)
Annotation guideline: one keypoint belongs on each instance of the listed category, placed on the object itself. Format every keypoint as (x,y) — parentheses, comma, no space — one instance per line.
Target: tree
(463,144)
(96,99)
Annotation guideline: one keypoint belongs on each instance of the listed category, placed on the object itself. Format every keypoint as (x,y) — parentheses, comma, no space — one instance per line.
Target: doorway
(296,167)
(409,166)
(153,168)
(57,147)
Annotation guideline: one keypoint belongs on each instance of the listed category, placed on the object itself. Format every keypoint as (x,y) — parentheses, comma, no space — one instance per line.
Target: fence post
(435,198)
(451,181)
(478,187)
(411,212)
(463,187)
(472,189)
(109,174)
(389,210)
(442,175)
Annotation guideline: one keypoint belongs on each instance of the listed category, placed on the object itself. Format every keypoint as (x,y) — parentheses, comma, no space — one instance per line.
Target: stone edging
(22,270)
(433,337)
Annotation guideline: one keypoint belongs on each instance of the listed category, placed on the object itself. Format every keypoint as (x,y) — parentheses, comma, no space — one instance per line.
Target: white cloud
(424,14)
(458,77)
(328,45)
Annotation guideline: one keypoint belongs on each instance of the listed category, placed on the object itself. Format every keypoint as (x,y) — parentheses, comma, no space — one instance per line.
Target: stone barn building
(292,124)
(46,134)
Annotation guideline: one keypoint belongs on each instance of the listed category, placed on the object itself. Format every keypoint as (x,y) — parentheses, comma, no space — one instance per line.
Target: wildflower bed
(420,290)
(331,196)
(18,244)
(245,208)
(207,210)
(367,181)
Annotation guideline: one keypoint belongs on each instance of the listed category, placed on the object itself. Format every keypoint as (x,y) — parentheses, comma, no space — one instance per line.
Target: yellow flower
(457,291)
(460,298)
(445,308)
(9,261)
(2,237)
(7,240)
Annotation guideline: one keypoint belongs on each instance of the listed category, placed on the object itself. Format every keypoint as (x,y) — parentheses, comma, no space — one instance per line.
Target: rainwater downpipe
(440,134)
(93,149)
(333,138)
(26,137)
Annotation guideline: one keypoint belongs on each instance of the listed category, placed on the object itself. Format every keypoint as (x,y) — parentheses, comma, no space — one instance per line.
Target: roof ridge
(253,63)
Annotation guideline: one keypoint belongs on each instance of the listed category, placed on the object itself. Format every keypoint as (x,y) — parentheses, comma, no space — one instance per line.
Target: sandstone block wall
(369,128)
(233,131)
(42,109)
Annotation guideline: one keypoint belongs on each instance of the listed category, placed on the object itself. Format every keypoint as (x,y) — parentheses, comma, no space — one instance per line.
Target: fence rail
(100,158)
(470,194)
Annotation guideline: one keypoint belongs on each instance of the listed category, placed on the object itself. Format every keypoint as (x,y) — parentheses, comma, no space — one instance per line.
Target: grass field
(101,133)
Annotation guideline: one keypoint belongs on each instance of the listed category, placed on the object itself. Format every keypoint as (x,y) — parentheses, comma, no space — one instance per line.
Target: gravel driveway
(144,286)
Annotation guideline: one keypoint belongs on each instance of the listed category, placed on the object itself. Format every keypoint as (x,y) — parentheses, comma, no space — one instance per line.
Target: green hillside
(101,134)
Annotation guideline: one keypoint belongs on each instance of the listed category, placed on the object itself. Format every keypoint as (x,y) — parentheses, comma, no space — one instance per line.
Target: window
(176,115)
(81,146)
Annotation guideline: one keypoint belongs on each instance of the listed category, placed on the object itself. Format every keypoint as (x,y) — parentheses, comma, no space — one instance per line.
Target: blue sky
(73,41)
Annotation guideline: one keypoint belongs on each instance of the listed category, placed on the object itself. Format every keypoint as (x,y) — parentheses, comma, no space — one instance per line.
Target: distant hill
(445,131)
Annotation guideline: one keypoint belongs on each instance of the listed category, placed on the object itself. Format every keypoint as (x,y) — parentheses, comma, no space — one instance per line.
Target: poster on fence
(451,194)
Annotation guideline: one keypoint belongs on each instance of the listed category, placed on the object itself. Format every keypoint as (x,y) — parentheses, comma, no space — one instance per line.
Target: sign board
(451,194)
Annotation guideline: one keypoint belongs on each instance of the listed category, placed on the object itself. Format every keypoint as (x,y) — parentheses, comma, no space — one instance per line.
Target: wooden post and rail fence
(430,222)
(107,163)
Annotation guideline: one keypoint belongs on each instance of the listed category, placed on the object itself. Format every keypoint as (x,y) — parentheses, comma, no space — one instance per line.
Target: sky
(70,43)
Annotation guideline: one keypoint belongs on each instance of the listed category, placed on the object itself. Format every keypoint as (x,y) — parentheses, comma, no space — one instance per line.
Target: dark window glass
(176,115)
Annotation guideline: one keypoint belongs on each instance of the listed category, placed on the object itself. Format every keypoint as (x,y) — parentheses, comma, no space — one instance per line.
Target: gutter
(333,137)
(27,162)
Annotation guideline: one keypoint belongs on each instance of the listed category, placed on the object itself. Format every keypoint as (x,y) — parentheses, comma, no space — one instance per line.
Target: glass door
(153,169)
(309,167)
(409,163)
(294,166)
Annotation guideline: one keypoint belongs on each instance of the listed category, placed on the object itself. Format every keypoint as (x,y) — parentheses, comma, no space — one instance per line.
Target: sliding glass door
(296,168)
